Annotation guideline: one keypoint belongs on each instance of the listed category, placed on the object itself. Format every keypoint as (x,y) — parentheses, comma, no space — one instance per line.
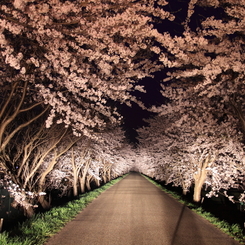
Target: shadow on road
(183,229)
(178,224)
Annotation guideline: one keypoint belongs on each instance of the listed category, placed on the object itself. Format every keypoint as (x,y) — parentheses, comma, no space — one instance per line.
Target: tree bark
(26,207)
(97,181)
(82,179)
(75,174)
(50,167)
(200,178)
(88,179)
(46,204)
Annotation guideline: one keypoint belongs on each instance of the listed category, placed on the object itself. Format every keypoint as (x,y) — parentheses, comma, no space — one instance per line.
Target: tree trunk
(82,179)
(200,178)
(198,189)
(97,181)
(29,212)
(75,189)
(104,179)
(82,184)
(184,192)
(46,205)
(109,174)
(75,177)
(26,207)
(184,187)
(88,179)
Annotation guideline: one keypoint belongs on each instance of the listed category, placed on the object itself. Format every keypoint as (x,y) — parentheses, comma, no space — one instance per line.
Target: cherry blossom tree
(23,140)
(71,63)
(204,90)
(81,56)
(72,166)
(49,157)
(210,57)
(200,145)
(15,117)
(91,161)
(24,200)
(18,139)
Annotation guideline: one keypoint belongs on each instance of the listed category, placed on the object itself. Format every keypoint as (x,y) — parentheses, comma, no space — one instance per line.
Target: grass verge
(36,230)
(233,230)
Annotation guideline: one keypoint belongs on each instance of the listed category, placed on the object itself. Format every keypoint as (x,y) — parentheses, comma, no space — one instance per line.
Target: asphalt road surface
(136,212)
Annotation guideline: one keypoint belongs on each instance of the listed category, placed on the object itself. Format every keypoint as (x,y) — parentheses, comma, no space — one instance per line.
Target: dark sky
(134,116)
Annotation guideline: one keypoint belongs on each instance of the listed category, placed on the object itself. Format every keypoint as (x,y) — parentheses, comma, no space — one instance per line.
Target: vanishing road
(136,212)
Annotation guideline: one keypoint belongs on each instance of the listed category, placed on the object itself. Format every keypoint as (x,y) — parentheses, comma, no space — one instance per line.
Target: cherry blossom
(76,54)
(66,67)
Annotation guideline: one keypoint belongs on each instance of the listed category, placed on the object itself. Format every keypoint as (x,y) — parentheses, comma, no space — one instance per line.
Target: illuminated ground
(134,211)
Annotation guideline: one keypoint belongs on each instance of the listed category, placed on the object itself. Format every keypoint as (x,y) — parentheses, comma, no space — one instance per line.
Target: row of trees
(80,57)
(66,66)
(202,141)
(35,160)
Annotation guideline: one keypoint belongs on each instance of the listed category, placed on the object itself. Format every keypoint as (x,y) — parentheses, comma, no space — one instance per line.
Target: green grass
(233,230)
(40,227)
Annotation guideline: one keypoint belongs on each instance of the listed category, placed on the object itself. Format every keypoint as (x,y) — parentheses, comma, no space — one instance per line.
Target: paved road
(136,212)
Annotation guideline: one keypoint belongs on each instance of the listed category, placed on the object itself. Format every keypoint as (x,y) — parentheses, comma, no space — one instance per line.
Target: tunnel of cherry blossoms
(94,89)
